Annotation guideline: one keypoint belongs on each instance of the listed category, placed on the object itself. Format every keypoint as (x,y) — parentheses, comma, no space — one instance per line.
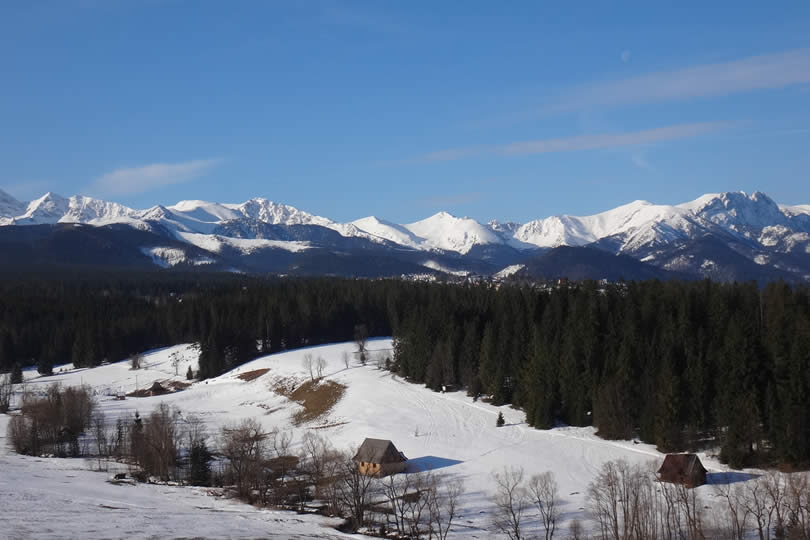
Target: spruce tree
(17,374)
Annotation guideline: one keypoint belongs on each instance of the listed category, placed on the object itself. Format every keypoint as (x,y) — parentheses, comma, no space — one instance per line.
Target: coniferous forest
(678,364)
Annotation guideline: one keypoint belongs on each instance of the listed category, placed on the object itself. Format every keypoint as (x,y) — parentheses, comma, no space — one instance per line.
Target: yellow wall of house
(374,469)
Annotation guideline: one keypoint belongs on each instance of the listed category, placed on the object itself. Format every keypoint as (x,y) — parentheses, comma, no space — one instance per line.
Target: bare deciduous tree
(394,488)
(379,360)
(679,511)
(757,503)
(317,453)
(345,357)
(361,339)
(243,446)
(620,501)
(136,360)
(575,531)
(162,439)
(54,422)
(417,503)
(798,504)
(309,365)
(544,494)
(102,439)
(776,490)
(510,502)
(444,504)
(731,515)
(355,490)
(320,366)
(176,357)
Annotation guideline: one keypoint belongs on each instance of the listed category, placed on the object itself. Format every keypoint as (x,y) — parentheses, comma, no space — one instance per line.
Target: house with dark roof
(379,457)
(683,469)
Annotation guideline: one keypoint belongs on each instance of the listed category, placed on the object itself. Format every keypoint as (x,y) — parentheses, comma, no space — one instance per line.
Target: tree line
(677,364)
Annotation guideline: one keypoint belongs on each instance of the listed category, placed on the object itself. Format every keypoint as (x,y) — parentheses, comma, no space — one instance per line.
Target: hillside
(448,433)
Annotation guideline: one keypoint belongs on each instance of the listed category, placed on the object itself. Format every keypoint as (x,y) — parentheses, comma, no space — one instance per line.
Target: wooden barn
(683,469)
(379,457)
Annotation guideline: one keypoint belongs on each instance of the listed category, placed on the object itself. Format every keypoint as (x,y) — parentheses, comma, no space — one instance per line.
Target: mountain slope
(579,263)
(9,208)
(447,232)
(753,236)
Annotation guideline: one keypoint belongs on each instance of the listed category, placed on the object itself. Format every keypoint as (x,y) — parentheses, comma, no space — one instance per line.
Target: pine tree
(487,361)
(45,366)
(500,421)
(17,374)
(199,464)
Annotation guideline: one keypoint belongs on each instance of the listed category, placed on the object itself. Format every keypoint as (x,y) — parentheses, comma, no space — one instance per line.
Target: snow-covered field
(449,433)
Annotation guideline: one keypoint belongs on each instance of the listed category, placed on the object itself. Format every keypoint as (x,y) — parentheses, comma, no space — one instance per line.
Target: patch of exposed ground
(317,397)
(252,375)
(156,389)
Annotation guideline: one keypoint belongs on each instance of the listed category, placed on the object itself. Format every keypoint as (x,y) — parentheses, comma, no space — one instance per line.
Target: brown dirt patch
(156,389)
(316,397)
(252,375)
(178,385)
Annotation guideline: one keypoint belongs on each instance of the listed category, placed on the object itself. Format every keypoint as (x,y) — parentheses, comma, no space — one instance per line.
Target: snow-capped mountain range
(741,229)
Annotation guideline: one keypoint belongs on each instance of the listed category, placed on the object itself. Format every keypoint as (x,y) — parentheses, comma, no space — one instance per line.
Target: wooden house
(379,457)
(683,469)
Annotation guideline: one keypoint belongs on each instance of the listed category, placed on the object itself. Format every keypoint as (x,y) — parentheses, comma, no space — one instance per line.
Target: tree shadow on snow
(731,477)
(429,463)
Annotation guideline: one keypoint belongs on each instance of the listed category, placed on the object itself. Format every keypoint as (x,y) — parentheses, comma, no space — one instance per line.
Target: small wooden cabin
(683,469)
(379,457)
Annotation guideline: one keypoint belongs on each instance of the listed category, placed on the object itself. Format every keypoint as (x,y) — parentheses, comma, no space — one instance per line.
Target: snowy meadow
(450,435)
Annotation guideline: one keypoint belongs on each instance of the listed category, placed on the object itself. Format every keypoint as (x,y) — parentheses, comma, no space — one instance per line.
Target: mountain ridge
(754,226)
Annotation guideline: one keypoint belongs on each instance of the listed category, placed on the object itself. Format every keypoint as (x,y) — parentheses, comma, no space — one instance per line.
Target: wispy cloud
(640,161)
(581,142)
(142,179)
(767,71)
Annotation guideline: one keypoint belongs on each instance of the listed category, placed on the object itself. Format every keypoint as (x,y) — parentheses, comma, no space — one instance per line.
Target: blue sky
(511,111)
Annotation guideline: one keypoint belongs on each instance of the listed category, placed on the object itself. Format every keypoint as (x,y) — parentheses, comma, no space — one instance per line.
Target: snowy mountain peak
(204,211)
(387,230)
(10,207)
(279,214)
(83,209)
(738,212)
(47,209)
(445,231)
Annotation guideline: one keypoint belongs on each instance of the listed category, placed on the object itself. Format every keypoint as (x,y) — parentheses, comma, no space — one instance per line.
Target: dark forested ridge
(674,363)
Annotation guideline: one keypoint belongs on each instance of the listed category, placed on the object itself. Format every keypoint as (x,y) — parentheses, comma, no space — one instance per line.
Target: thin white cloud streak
(767,71)
(641,162)
(581,142)
(136,180)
